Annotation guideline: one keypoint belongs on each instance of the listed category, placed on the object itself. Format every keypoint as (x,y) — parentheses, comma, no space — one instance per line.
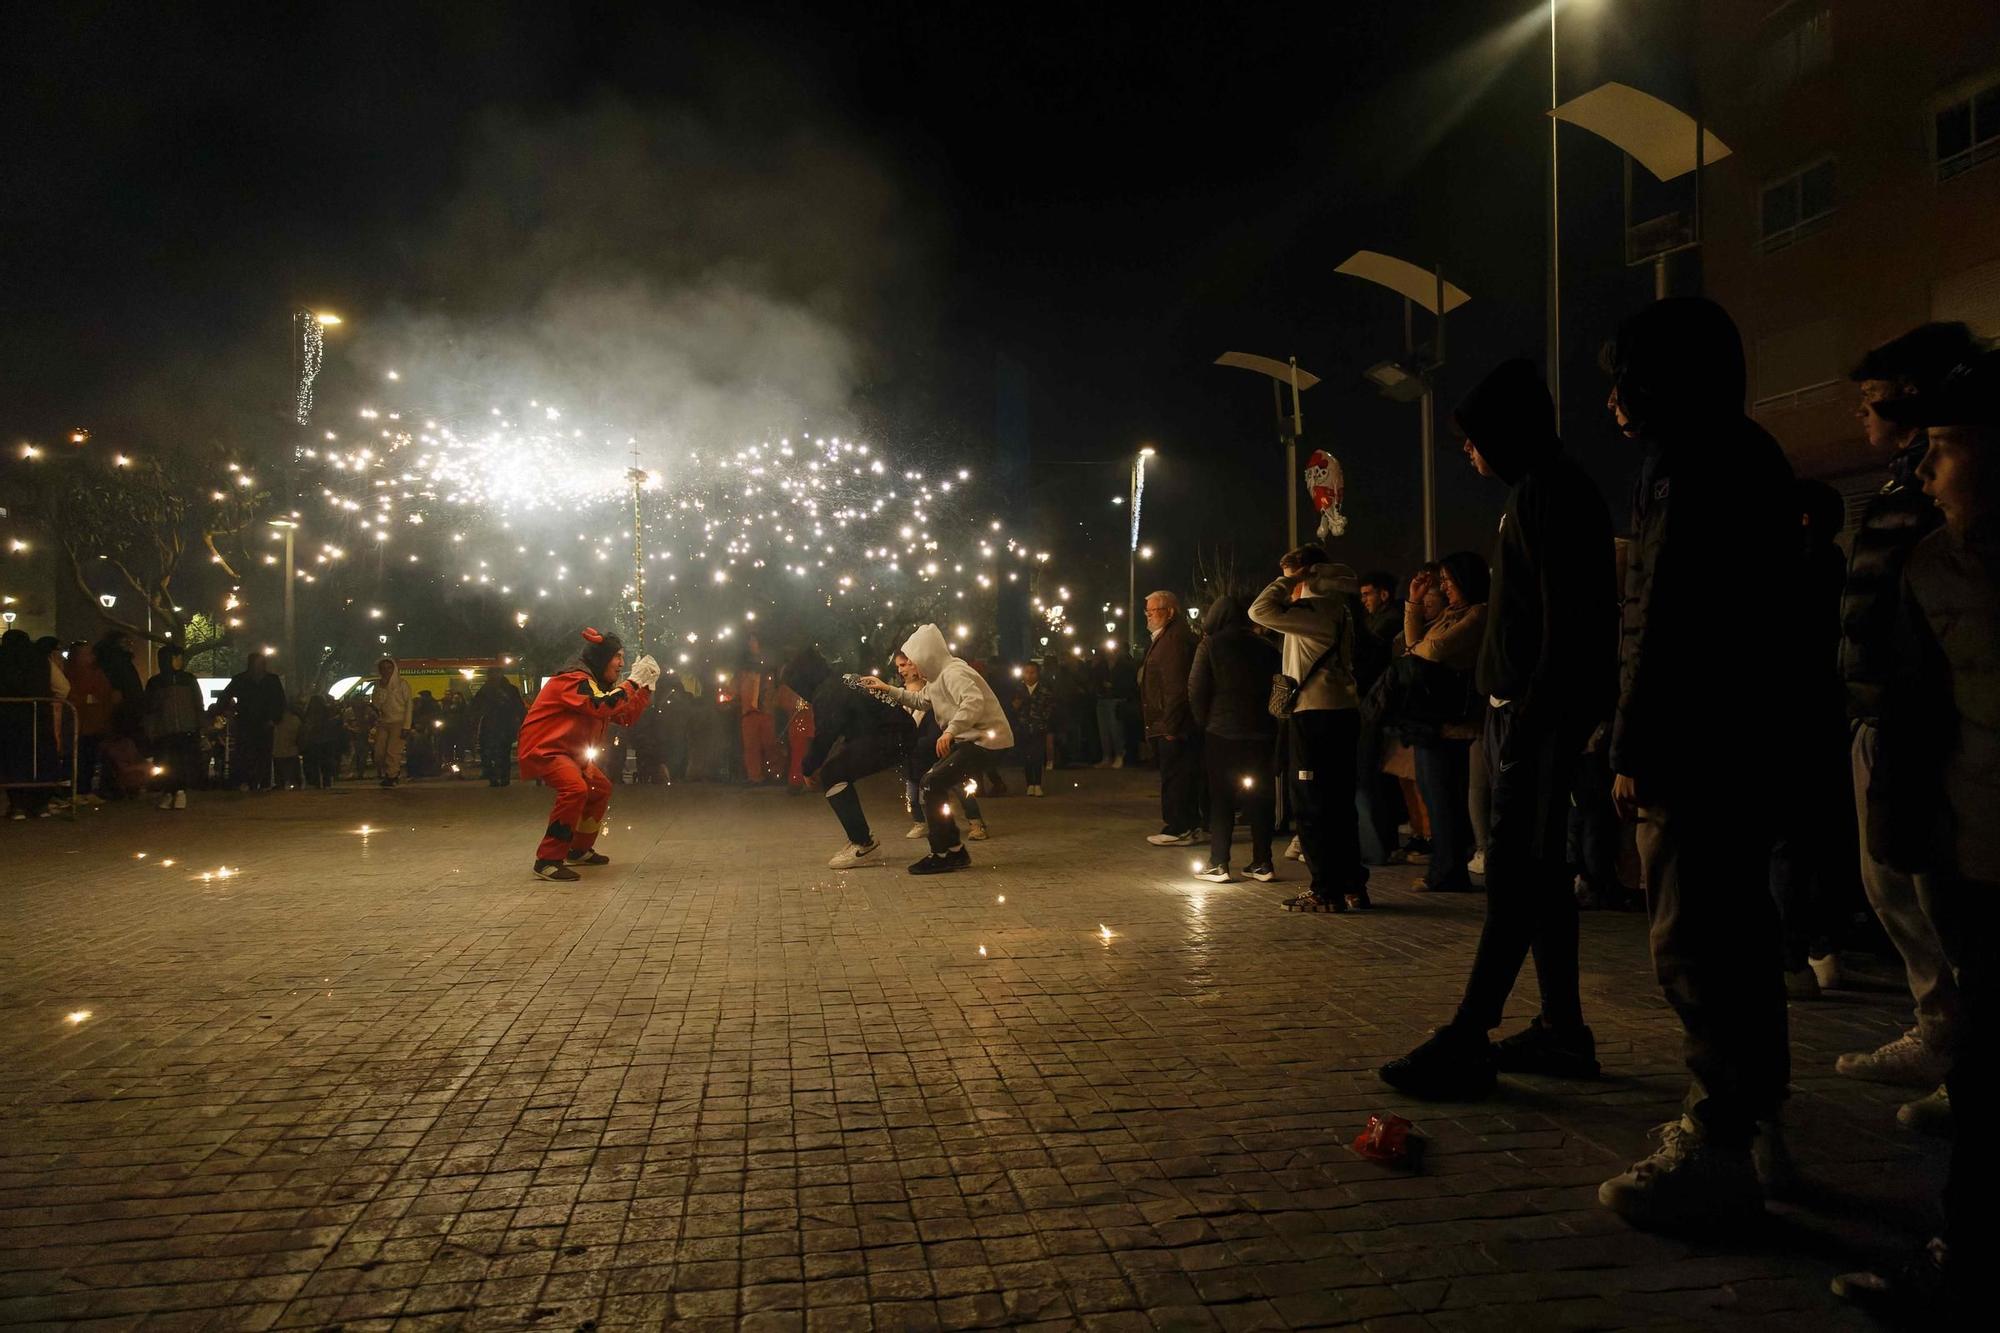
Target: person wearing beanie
(1547,666)
(560,740)
(854,734)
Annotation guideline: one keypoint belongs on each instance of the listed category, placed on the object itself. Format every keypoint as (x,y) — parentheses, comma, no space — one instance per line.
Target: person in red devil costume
(560,738)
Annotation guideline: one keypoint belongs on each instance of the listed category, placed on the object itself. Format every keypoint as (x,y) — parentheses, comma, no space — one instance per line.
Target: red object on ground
(1387,1139)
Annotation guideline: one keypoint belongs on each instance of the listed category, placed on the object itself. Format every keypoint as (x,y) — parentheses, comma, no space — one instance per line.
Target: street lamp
(1132,548)
(290,528)
(1282,372)
(1413,378)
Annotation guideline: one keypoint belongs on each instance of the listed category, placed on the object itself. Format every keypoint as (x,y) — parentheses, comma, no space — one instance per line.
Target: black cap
(1969,395)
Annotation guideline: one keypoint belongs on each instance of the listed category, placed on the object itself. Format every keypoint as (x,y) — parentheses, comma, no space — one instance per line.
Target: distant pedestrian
(287,756)
(173,726)
(1163,699)
(497,710)
(1229,695)
(394,708)
(1035,711)
(257,700)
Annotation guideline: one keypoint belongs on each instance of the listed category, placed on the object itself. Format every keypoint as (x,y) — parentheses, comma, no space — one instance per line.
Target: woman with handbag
(1438,717)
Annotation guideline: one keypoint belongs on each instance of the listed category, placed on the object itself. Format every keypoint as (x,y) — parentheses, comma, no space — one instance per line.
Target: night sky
(1070,210)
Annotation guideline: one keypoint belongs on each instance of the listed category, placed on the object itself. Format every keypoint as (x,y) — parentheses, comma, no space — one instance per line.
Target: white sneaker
(1687,1183)
(1826,970)
(856,855)
(166,802)
(1294,852)
(975,830)
(1929,1114)
(1216,875)
(1119,762)
(1477,865)
(916,831)
(1035,790)
(181,799)
(1905,1061)
(1171,839)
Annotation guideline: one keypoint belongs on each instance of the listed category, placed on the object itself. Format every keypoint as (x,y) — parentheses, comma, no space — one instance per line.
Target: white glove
(645,672)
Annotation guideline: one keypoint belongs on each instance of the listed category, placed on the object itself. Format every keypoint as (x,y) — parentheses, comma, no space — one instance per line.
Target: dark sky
(1099,198)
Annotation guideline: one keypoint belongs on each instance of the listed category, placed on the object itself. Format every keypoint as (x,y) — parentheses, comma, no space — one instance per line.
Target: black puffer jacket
(1229,685)
(1551,643)
(1715,497)
(844,712)
(1897,517)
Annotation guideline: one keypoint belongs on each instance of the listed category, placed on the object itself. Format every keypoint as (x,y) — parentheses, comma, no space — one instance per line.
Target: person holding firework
(560,739)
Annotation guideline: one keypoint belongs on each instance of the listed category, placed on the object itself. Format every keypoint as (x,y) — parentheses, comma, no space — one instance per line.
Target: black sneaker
(592,858)
(555,870)
(938,863)
(1542,1049)
(1452,1066)
(1263,872)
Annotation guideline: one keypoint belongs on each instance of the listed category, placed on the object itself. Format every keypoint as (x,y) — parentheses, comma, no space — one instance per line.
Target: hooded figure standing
(854,735)
(394,716)
(973,734)
(560,740)
(1229,689)
(1548,667)
(1715,497)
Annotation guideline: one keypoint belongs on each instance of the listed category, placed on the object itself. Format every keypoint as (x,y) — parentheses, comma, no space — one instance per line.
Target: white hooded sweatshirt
(965,706)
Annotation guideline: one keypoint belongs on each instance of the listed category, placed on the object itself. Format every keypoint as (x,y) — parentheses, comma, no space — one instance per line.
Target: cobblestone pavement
(387,1078)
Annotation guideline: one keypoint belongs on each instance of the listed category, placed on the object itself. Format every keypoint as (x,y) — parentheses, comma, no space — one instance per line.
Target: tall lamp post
(1413,378)
(1282,373)
(290,527)
(1132,549)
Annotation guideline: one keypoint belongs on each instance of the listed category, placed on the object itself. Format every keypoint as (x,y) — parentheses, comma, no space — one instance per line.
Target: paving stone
(394,1081)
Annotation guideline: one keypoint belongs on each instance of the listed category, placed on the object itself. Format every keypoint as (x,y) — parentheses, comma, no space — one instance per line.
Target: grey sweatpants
(1907,908)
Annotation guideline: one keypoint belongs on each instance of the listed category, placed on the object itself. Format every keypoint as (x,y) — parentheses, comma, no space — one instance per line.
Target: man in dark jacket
(259,700)
(1548,666)
(1163,698)
(1897,517)
(854,734)
(1715,496)
(1229,691)
(497,710)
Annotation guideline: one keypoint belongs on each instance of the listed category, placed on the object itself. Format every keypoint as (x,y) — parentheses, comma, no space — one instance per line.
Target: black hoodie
(846,712)
(1551,644)
(1715,505)
(1229,685)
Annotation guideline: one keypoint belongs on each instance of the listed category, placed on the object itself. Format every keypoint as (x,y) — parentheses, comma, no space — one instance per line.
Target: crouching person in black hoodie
(854,734)
(1547,665)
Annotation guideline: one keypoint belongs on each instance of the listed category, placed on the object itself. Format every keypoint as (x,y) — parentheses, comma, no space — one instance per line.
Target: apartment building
(1862,195)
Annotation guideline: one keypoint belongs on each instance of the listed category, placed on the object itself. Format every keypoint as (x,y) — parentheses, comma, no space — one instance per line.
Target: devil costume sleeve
(569,716)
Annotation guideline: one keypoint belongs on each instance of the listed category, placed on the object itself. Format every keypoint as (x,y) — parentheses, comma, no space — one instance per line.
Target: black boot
(1453,1065)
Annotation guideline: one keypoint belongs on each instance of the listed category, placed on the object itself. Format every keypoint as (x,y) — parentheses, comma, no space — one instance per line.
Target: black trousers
(944,783)
(1321,780)
(1032,744)
(1529,902)
(1239,778)
(1715,937)
(253,755)
(494,756)
(1180,782)
(844,767)
(1974,943)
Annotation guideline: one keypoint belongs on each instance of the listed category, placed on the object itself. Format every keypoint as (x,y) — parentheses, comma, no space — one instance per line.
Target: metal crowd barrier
(35,739)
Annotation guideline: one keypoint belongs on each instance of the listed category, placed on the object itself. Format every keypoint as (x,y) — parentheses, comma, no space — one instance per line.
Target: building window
(1803,44)
(1968,132)
(1798,205)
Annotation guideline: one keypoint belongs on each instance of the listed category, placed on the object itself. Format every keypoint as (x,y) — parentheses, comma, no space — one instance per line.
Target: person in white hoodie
(393,702)
(973,734)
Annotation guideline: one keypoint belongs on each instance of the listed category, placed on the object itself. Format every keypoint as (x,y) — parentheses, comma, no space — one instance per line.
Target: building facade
(1862,195)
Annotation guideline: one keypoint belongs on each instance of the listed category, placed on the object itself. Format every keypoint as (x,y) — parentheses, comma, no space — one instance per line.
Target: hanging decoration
(1329,488)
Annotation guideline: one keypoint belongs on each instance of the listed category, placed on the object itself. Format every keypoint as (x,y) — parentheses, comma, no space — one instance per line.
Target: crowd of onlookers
(1518,716)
